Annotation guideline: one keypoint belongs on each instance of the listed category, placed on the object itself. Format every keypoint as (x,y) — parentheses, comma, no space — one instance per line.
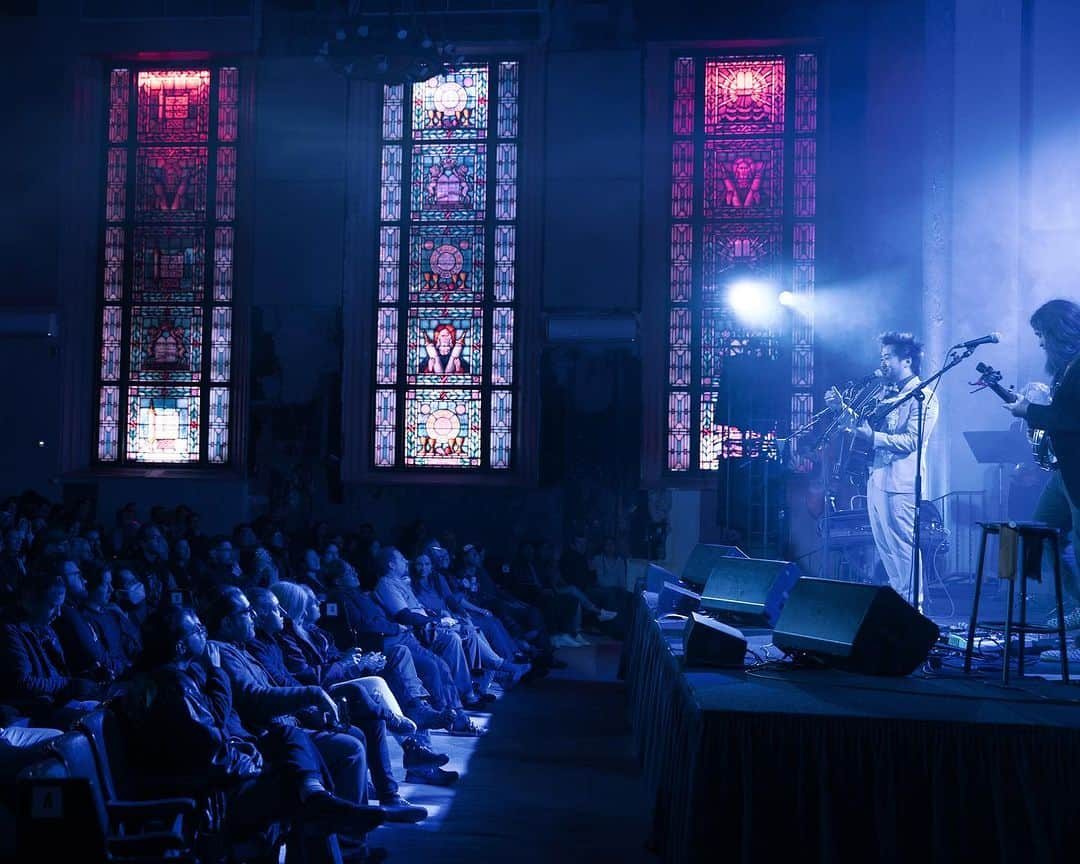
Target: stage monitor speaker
(676,598)
(703,560)
(860,628)
(710,643)
(750,591)
(656,576)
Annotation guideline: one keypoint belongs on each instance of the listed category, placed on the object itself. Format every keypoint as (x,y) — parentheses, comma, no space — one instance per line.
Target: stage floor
(933,767)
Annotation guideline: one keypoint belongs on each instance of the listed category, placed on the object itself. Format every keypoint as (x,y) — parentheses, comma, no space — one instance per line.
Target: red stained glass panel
(170,183)
(744,179)
(174,105)
(744,96)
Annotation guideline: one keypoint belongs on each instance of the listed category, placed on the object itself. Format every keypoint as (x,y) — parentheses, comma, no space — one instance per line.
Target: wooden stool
(1019,558)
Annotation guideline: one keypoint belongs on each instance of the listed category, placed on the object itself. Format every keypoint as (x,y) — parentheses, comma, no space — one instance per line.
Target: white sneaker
(581,642)
(563,640)
(606,615)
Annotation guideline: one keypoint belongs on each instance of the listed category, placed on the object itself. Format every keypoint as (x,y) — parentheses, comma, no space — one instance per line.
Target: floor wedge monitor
(704,559)
(748,591)
(710,643)
(849,625)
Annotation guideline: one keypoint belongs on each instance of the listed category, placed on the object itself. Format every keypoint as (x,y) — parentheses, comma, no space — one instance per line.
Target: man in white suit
(890,489)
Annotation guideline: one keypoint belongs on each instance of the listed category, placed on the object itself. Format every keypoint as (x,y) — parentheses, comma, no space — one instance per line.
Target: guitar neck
(1007,396)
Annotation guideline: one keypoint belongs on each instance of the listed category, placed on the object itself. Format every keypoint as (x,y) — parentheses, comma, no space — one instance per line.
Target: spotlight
(362,31)
(786,298)
(382,64)
(753,300)
(426,42)
(340,34)
(402,34)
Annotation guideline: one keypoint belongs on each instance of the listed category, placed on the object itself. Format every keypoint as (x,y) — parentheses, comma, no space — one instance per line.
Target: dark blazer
(259,701)
(1062,420)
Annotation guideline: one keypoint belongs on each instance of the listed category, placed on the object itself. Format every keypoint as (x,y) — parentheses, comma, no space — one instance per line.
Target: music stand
(1010,447)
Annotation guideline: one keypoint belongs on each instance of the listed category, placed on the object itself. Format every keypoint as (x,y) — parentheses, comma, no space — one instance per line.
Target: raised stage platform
(751,765)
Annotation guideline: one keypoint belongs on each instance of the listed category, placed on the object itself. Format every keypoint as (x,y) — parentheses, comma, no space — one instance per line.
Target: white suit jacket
(893,468)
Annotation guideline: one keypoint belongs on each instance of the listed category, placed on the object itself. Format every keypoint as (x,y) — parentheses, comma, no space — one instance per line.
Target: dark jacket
(1061,419)
(33,670)
(84,647)
(313,659)
(188,727)
(259,701)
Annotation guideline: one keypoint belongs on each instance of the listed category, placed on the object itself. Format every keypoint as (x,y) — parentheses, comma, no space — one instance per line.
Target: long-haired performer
(1057,327)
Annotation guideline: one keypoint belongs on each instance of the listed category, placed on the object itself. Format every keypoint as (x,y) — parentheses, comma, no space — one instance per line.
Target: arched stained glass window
(165,367)
(444,367)
(743,203)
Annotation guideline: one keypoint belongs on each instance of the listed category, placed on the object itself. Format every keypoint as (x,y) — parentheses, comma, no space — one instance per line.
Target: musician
(1057,327)
(890,488)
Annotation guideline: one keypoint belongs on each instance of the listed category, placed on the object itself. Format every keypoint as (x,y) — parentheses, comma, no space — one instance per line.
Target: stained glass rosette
(454,105)
(442,428)
(445,346)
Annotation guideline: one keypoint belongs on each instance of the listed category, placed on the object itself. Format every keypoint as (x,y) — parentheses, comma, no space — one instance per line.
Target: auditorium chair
(67,808)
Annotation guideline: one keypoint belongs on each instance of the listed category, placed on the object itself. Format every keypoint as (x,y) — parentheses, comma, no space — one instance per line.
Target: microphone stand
(917,393)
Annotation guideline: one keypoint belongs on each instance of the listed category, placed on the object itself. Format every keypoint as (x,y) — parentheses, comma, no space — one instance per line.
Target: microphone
(877,373)
(988,339)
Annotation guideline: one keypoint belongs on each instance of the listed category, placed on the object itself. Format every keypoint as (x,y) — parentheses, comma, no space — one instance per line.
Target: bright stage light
(753,301)
(786,298)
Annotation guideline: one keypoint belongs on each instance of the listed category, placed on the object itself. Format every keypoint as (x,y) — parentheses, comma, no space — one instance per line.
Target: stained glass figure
(744,96)
(446,264)
(445,345)
(454,105)
(442,427)
(744,179)
(449,182)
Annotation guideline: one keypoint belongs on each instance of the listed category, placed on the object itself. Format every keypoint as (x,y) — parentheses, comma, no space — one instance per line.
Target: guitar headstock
(988,375)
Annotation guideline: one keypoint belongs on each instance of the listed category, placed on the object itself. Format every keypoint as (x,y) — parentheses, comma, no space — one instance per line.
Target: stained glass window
(166,313)
(743,199)
(445,299)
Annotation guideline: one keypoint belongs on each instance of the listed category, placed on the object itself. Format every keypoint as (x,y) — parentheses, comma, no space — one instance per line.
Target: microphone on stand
(877,373)
(988,339)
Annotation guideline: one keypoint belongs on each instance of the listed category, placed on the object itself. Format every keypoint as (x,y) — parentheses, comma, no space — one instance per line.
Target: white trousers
(892,522)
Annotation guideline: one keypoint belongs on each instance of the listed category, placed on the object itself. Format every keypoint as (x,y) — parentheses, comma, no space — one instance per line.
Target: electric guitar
(1041,446)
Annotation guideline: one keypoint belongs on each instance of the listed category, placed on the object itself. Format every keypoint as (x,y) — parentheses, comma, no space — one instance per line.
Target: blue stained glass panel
(442,428)
(449,182)
(389,259)
(385,428)
(166,344)
(508,99)
(109,424)
(390,207)
(445,345)
(217,425)
(446,264)
(506,181)
(505,237)
(454,105)
(502,414)
(502,346)
(163,424)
